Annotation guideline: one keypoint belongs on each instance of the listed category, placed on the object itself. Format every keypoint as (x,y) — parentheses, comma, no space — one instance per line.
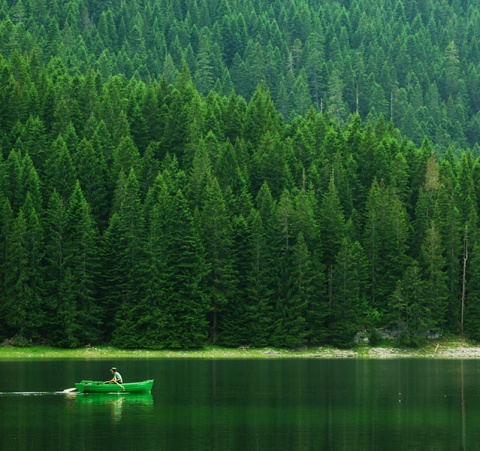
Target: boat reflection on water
(115,403)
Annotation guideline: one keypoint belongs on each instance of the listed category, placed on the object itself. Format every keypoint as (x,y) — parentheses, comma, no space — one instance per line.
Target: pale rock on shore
(438,352)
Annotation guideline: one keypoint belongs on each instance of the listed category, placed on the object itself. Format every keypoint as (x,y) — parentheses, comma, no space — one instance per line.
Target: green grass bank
(448,349)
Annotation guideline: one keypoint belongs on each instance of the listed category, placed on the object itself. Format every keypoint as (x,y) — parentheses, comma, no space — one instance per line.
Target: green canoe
(102,387)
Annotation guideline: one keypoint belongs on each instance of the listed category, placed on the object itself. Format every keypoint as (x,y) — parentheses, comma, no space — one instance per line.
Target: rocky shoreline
(438,352)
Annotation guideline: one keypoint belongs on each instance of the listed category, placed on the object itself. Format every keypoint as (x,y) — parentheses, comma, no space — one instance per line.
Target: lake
(304,404)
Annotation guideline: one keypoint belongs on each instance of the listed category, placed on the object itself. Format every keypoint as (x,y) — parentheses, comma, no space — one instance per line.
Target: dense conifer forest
(272,173)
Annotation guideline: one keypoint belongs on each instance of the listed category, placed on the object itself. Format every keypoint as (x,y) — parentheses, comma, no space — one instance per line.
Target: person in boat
(116,377)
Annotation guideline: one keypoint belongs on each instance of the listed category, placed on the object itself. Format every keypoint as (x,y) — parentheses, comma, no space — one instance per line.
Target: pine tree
(332,223)
(55,217)
(349,308)
(125,158)
(24,276)
(336,105)
(472,308)
(433,273)
(425,207)
(183,119)
(260,282)
(261,117)
(385,243)
(32,141)
(81,273)
(269,165)
(234,116)
(282,248)
(30,183)
(217,239)
(248,319)
(6,228)
(124,241)
(409,311)
(92,174)
(204,76)
(112,109)
(228,170)
(138,126)
(291,326)
(448,222)
(200,174)
(314,48)
(60,172)
(172,312)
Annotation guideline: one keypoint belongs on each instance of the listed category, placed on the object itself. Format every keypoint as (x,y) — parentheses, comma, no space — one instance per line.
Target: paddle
(69,390)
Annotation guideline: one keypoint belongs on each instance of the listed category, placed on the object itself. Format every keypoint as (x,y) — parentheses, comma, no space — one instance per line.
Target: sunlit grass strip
(446,349)
(208,352)
(101,352)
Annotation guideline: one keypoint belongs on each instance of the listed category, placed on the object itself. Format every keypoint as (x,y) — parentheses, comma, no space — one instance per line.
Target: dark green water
(244,405)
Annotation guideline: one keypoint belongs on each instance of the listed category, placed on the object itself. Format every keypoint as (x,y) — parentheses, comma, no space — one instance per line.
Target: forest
(268,173)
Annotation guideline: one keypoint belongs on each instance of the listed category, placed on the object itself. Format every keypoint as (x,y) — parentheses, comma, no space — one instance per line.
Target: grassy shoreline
(451,349)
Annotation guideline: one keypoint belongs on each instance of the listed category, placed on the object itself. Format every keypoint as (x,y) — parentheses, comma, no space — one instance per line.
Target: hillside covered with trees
(238,172)
(414,62)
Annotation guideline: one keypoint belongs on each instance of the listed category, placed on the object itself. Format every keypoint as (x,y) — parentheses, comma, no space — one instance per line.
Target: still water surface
(244,405)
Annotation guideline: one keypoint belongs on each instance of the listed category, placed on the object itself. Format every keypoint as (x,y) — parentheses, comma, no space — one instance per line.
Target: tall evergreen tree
(81,274)
(55,217)
(124,241)
(448,221)
(349,308)
(386,234)
(261,117)
(409,311)
(6,229)
(60,172)
(291,326)
(432,265)
(332,231)
(24,276)
(217,238)
(92,173)
(172,312)
(269,165)
(472,308)
(248,319)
